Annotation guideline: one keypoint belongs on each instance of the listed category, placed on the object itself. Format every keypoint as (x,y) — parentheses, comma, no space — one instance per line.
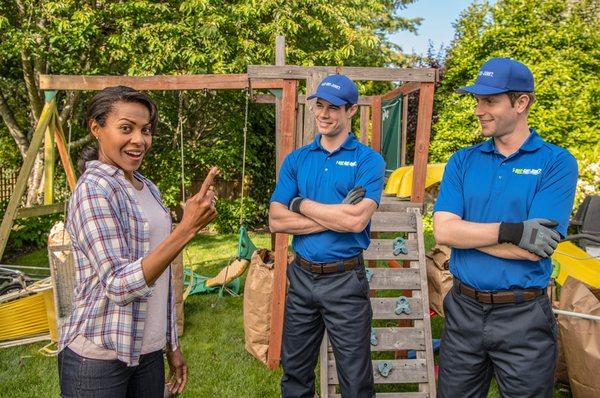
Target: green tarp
(391,132)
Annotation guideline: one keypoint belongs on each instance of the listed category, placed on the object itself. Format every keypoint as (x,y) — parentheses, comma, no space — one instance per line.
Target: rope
(182,156)
(66,182)
(576,314)
(248,91)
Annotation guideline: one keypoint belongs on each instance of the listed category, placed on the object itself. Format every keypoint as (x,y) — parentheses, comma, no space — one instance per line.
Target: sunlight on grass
(213,340)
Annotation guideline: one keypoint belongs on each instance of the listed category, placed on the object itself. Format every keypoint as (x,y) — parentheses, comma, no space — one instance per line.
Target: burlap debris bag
(439,279)
(258,299)
(581,337)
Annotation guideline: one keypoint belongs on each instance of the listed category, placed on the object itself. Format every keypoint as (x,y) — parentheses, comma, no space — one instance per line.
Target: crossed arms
(317,217)
(450,230)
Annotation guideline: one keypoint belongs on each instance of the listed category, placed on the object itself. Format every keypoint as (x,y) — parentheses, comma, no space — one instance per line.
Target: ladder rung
(395,279)
(383,249)
(403,371)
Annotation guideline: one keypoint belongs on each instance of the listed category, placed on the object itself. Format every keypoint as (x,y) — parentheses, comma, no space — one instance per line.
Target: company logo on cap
(500,75)
(332,85)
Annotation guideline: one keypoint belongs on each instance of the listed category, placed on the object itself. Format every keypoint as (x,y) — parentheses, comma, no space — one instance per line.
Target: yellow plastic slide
(577,263)
(399,183)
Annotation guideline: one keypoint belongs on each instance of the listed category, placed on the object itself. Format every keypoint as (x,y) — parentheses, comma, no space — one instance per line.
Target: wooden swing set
(295,126)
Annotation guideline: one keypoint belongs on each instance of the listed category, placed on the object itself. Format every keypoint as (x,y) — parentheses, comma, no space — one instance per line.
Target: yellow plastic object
(26,316)
(400,181)
(577,263)
(229,273)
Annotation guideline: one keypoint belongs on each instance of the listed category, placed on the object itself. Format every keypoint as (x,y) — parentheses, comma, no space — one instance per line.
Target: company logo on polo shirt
(486,73)
(332,85)
(532,172)
(346,163)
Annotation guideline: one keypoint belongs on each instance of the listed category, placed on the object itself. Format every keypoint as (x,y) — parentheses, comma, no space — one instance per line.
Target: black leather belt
(328,268)
(499,297)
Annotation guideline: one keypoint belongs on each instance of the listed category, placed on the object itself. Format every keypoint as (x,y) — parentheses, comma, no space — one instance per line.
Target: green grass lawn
(213,341)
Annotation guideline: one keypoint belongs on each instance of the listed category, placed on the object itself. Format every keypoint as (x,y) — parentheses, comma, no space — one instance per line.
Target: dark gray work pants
(514,342)
(340,303)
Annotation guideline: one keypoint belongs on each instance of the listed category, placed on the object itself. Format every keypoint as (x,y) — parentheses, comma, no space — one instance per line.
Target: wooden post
(310,123)
(404,136)
(376,131)
(279,61)
(288,120)
(422,141)
(364,124)
(63,151)
(49,160)
(19,189)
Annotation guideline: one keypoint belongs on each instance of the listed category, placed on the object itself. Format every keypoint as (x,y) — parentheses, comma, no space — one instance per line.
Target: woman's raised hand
(200,210)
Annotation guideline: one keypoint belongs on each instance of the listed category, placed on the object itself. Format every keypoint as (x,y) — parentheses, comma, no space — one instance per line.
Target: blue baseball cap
(337,89)
(501,75)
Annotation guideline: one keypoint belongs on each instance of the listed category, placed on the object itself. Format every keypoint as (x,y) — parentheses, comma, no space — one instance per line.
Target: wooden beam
(279,60)
(162,82)
(404,136)
(404,89)
(265,99)
(65,158)
(288,119)
(300,125)
(19,189)
(364,123)
(36,211)
(424,115)
(280,50)
(49,159)
(310,122)
(363,100)
(376,126)
(354,73)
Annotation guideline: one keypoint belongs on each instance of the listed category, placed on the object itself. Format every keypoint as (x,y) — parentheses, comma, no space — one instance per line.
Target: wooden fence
(8,179)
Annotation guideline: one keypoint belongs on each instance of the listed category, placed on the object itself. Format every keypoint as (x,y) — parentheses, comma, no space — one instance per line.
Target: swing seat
(245,247)
(229,273)
(196,284)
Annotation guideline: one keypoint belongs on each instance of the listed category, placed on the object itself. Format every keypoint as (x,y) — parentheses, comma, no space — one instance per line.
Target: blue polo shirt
(326,177)
(483,186)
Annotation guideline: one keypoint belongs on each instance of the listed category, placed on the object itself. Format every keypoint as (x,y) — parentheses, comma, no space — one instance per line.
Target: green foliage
(182,37)
(31,233)
(228,221)
(558,39)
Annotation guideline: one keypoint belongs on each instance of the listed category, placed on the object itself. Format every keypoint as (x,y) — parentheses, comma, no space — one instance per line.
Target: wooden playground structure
(295,127)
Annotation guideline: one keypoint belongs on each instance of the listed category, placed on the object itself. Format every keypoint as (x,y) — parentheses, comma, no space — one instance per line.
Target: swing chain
(248,92)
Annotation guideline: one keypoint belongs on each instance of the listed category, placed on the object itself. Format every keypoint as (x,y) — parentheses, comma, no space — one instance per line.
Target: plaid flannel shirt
(110,237)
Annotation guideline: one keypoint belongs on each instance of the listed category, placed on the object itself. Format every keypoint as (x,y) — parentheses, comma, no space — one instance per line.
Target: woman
(124,310)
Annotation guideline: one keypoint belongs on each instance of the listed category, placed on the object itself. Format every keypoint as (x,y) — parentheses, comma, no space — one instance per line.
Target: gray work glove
(536,236)
(354,196)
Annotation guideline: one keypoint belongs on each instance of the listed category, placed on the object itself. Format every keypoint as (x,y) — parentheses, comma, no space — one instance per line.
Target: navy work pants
(515,342)
(338,302)
(97,378)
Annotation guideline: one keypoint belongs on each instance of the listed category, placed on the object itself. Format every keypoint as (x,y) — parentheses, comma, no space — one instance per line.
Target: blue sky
(438,16)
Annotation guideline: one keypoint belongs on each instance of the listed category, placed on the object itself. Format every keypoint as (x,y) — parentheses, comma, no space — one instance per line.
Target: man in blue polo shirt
(326,194)
(503,206)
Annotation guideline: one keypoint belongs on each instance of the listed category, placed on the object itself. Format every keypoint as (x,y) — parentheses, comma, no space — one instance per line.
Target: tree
(175,37)
(558,39)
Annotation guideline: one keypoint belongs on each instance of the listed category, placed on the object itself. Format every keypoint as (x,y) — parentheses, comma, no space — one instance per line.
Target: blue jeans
(97,378)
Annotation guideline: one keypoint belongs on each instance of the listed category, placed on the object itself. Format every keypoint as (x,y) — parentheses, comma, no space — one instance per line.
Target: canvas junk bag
(580,338)
(439,279)
(258,299)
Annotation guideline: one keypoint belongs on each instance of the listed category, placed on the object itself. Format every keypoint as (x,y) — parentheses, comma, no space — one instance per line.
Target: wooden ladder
(417,336)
